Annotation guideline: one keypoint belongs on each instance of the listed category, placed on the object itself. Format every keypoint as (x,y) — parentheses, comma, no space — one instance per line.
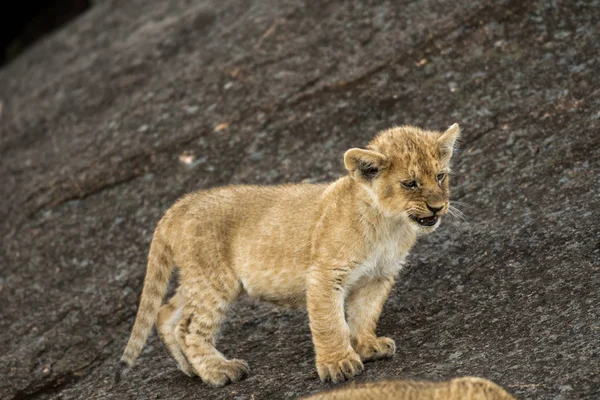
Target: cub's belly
(285,287)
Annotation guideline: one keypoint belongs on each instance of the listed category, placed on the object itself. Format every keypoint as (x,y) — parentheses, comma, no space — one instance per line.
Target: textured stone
(509,294)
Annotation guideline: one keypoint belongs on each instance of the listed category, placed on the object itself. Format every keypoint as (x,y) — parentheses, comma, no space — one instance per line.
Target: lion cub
(335,248)
(465,388)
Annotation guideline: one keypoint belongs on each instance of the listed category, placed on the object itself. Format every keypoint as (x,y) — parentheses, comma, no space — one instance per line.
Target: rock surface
(94,119)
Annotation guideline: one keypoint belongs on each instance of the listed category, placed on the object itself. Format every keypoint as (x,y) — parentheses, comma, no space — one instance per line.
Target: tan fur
(335,248)
(466,388)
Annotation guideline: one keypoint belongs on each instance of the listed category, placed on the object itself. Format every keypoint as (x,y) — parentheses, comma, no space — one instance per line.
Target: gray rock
(510,294)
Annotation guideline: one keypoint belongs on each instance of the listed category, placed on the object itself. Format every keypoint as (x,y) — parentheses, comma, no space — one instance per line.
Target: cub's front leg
(363,307)
(336,359)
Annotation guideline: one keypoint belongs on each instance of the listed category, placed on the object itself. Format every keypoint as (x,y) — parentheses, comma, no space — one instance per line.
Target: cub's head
(405,172)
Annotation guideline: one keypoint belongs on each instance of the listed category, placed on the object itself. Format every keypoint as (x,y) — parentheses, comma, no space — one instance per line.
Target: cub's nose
(434,209)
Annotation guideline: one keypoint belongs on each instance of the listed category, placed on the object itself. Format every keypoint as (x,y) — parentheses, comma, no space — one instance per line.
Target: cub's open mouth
(427,221)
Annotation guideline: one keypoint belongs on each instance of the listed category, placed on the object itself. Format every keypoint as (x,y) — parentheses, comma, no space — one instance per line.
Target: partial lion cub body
(335,248)
(465,388)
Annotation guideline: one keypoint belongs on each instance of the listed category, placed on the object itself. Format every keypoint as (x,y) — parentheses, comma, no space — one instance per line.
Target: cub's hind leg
(209,294)
(169,318)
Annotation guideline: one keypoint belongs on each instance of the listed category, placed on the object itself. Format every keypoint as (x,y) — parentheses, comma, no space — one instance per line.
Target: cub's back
(247,222)
(464,388)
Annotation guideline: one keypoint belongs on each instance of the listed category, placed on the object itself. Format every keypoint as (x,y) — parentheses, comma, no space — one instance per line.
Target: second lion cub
(335,248)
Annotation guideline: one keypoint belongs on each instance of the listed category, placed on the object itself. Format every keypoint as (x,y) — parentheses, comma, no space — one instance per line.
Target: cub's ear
(365,164)
(447,141)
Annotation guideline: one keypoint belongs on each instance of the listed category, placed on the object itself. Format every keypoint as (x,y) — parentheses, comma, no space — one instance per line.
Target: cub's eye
(440,177)
(409,184)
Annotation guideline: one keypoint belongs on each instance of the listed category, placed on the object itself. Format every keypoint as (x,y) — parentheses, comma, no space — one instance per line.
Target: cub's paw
(376,348)
(341,369)
(224,372)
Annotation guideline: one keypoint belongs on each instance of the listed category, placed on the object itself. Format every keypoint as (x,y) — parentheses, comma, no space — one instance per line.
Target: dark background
(96,118)
(23,22)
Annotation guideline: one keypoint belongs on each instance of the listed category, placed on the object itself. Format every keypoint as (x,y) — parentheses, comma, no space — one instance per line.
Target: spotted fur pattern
(332,248)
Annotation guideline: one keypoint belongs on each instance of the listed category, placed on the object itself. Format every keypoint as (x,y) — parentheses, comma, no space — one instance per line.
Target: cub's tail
(158,273)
